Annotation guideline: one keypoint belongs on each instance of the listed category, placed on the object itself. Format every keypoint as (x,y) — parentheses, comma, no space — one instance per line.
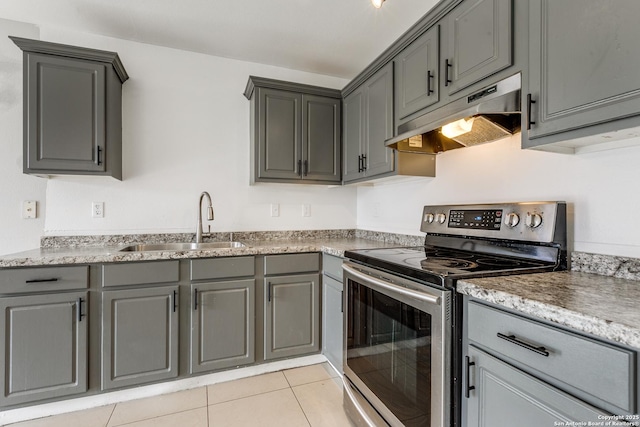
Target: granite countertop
(110,253)
(602,306)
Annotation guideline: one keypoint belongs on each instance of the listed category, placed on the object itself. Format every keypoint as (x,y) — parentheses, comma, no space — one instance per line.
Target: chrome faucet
(199,233)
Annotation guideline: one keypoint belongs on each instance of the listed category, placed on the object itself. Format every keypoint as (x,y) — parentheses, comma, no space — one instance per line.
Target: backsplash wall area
(185,130)
(600,189)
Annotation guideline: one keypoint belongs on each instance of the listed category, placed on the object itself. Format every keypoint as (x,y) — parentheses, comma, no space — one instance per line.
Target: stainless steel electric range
(403,318)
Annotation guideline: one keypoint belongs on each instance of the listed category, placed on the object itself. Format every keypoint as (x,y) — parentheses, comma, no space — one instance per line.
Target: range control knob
(429,217)
(533,220)
(441,218)
(512,219)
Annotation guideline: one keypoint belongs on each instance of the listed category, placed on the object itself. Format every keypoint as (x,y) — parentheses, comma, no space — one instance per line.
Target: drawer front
(45,279)
(332,266)
(600,370)
(222,268)
(291,263)
(140,273)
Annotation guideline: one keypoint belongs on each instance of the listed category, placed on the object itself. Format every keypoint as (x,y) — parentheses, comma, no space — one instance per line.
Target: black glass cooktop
(443,262)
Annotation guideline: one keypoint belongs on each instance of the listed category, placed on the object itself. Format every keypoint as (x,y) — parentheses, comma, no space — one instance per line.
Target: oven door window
(389,349)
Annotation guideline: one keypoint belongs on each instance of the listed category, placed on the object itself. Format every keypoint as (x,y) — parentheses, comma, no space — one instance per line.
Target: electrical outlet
(306,209)
(29,209)
(97,210)
(275,209)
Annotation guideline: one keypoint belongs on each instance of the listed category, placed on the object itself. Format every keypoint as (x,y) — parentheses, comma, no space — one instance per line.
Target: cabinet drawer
(332,266)
(140,273)
(220,268)
(291,263)
(27,280)
(600,370)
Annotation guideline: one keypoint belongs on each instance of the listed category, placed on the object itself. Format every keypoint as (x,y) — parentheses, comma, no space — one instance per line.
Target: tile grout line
(207,407)
(111,415)
(300,405)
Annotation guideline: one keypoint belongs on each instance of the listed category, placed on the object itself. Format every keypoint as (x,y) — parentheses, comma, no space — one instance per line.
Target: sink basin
(183,246)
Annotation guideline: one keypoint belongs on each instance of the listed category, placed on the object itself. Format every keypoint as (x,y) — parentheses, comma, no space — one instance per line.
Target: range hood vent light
(488,115)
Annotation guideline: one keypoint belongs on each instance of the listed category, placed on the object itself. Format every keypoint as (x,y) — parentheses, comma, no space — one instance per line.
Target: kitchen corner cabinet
(139,325)
(583,73)
(72,110)
(222,313)
(44,337)
(292,305)
(295,132)
(520,368)
(368,122)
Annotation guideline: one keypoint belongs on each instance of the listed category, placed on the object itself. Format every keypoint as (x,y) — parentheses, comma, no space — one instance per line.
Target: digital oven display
(476,219)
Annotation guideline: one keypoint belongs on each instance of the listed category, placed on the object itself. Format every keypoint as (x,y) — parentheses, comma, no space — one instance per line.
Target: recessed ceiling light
(377,3)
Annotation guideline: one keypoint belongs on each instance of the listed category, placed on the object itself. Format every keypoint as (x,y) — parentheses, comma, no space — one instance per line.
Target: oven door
(397,350)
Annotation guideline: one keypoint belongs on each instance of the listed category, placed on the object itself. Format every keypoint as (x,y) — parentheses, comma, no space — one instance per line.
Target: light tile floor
(307,396)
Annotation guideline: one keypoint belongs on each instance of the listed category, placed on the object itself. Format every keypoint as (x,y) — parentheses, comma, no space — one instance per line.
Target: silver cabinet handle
(391,287)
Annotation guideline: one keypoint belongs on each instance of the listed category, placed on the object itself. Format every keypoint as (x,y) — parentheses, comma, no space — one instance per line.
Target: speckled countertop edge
(101,249)
(597,305)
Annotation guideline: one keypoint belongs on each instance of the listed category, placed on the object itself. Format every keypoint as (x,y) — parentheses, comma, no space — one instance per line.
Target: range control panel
(476,219)
(531,221)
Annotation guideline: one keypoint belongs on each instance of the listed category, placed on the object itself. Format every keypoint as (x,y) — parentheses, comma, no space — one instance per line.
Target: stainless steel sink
(183,246)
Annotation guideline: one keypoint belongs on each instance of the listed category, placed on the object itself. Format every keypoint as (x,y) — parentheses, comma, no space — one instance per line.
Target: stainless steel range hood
(491,114)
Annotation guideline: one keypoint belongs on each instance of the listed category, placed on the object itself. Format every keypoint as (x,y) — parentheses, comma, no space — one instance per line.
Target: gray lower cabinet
(521,368)
(43,346)
(139,336)
(295,132)
(222,324)
(72,109)
(368,122)
(583,69)
(292,315)
(504,396)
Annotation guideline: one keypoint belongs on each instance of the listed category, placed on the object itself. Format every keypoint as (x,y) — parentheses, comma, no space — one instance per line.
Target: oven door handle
(432,299)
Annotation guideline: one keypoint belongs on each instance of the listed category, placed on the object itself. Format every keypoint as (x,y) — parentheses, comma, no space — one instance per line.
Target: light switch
(275,209)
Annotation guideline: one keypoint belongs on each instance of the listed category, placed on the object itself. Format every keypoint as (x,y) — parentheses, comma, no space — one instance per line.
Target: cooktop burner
(443,262)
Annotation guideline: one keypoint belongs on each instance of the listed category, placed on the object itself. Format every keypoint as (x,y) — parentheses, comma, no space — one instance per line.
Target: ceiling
(333,37)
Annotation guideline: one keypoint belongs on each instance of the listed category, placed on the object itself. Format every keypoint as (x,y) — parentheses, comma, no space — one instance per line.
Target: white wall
(186,130)
(16,234)
(601,189)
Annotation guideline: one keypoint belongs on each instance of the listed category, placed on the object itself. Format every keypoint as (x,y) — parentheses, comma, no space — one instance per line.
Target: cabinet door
(332,323)
(503,394)
(279,134)
(321,138)
(584,59)
(353,135)
(379,122)
(139,336)
(478,36)
(222,325)
(65,114)
(416,75)
(44,347)
(292,316)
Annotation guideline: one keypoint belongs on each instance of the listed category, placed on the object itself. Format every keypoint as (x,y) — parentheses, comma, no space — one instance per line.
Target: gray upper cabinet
(583,71)
(368,122)
(416,74)
(139,336)
(477,42)
(43,347)
(72,110)
(295,132)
